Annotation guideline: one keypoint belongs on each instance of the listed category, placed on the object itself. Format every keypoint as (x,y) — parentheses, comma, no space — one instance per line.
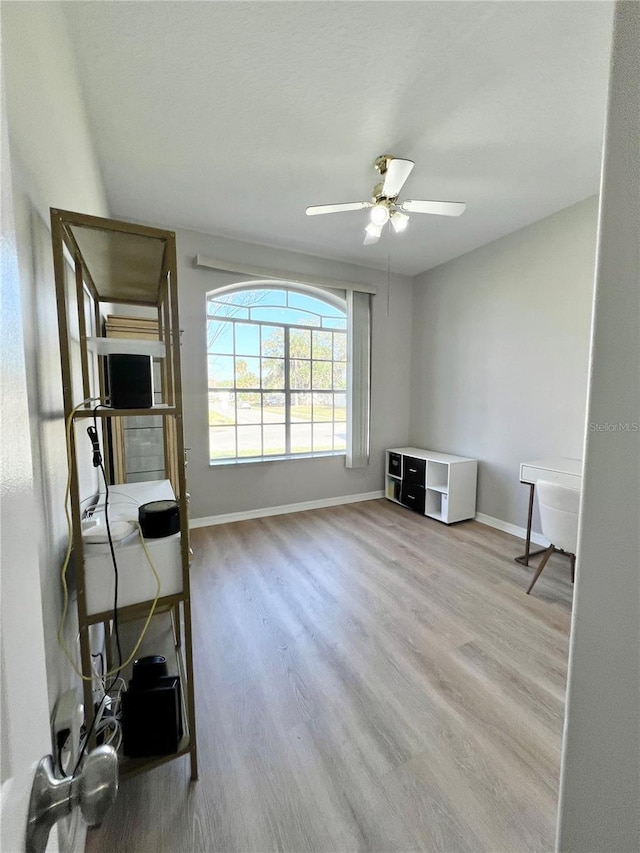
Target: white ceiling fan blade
(317,209)
(440,208)
(397,173)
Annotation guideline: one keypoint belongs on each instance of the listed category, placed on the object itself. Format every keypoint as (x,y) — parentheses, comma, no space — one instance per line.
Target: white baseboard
(283,509)
(513,529)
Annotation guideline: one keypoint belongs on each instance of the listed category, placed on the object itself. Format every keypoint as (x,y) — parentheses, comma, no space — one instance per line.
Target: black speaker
(130,381)
(159,518)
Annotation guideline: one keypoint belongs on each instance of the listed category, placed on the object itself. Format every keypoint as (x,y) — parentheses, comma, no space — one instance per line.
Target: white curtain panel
(358,378)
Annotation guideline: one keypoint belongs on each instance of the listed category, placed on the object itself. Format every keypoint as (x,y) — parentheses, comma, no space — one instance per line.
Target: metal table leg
(524,559)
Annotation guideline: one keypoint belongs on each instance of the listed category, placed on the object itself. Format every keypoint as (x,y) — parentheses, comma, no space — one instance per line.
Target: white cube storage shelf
(438,485)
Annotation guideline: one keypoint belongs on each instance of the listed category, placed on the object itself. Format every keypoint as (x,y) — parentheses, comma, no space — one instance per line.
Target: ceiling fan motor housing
(382,163)
(378,195)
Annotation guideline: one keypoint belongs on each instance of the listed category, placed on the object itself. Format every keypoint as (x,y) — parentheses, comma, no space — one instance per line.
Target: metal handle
(413,470)
(94,789)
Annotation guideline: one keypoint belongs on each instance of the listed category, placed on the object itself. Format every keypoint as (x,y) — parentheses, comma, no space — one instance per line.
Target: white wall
(224,489)
(47,118)
(52,165)
(600,788)
(500,353)
(23,700)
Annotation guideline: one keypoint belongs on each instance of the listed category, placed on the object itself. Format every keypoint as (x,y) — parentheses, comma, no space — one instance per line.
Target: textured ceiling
(231,117)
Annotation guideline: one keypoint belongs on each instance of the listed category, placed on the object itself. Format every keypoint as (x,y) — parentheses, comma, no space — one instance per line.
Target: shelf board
(139,610)
(394,476)
(437,515)
(88,412)
(132,766)
(444,490)
(125,267)
(126,346)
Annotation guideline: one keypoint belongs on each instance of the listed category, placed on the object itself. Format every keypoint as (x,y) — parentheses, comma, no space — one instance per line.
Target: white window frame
(356,305)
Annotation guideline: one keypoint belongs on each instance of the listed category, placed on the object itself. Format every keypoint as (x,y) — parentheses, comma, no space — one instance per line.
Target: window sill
(250,460)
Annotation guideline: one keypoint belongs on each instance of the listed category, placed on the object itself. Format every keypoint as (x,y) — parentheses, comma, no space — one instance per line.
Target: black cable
(115,574)
(97,463)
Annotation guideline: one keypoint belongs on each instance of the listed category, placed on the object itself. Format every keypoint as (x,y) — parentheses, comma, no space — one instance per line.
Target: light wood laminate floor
(366,679)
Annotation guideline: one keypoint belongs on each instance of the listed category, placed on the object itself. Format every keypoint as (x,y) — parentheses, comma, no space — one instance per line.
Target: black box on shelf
(152,718)
(395,464)
(130,380)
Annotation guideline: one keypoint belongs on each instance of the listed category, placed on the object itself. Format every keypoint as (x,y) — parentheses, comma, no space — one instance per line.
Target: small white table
(567,472)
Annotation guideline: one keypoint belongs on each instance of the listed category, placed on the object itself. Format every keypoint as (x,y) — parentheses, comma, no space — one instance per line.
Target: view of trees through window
(277,362)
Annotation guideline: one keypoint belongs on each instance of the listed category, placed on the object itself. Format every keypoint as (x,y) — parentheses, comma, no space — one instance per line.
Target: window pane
(339,347)
(240,300)
(249,411)
(221,408)
(322,437)
(284,315)
(300,343)
(247,372)
(339,407)
(273,408)
(221,309)
(331,323)
(271,297)
(322,407)
(322,375)
(219,337)
(220,371)
(247,339)
(273,373)
(299,374)
(300,438)
(273,440)
(273,341)
(339,377)
(339,436)
(250,440)
(322,345)
(222,442)
(300,407)
(306,302)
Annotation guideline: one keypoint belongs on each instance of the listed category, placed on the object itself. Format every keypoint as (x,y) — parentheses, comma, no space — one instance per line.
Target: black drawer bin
(414,471)
(395,465)
(412,496)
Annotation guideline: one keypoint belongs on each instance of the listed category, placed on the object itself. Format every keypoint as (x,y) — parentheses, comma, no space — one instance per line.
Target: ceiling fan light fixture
(384,201)
(399,221)
(374,230)
(379,214)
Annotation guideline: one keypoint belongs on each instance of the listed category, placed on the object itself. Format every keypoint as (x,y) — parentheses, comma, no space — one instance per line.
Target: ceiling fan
(384,203)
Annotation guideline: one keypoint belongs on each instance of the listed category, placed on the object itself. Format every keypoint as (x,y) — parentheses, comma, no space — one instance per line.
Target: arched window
(277,372)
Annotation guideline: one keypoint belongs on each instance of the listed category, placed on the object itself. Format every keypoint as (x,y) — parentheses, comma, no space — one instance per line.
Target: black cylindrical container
(159,518)
(148,671)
